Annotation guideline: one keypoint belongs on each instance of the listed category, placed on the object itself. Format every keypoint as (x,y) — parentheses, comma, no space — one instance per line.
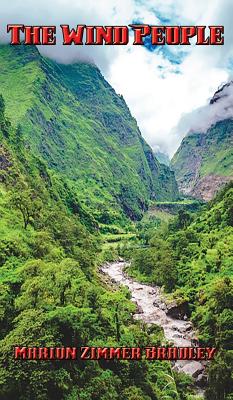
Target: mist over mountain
(163,158)
(219,108)
(204,160)
(75,122)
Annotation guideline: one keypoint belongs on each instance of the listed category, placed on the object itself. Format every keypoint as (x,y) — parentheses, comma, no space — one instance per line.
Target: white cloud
(157,95)
(56,12)
(202,118)
(158,101)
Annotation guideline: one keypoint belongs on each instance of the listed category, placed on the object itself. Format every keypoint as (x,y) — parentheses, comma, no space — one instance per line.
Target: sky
(167,88)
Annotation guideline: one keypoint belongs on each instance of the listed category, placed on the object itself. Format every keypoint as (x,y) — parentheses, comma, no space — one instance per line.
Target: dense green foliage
(215,149)
(75,122)
(204,161)
(192,255)
(52,295)
(73,163)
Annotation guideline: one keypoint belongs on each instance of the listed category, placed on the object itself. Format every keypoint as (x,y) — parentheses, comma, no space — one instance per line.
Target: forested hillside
(192,257)
(52,295)
(204,161)
(73,165)
(73,120)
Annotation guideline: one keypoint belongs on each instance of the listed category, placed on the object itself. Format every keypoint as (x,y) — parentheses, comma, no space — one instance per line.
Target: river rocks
(139,309)
(177,335)
(193,368)
(152,292)
(199,371)
(189,327)
(153,310)
(177,311)
(201,380)
(159,303)
(186,330)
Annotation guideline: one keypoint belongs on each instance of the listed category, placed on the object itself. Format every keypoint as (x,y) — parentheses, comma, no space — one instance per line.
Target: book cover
(116,200)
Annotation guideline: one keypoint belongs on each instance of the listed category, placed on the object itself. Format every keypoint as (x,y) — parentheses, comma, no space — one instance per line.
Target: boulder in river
(160,304)
(193,368)
(139,309)
(201,380)
(177,311)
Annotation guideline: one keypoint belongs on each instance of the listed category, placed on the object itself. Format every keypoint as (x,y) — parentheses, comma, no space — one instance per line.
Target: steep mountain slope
(52,295)
(162,157)
(70,117)
(204,161)
(193,257)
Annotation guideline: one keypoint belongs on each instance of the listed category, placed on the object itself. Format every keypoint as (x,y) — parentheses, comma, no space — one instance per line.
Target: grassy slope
(84,131)
(214,149)
(195,253)
(219,157)
(51,295)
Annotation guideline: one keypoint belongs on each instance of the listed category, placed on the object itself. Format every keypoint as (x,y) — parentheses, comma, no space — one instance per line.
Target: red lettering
(60,353)
(192,353)
(20,352)
(140,31)
(32,35)
(15,33)
(136,353)
(183,353)
(201,353)
(151,353)
(172,353)
(201,36)
(115,353)
(187,32)
(43,353)
(104,34)
(161,353)
(48,35)
(51,353)
(72,36)
(157,35)
(71,353)
(102,353)
(216,35)
(126,353)
(121,35)
(210,352)
(90,30)
(84,353)
(172,35)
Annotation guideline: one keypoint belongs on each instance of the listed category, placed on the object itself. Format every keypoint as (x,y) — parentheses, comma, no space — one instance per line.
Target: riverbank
(151,309)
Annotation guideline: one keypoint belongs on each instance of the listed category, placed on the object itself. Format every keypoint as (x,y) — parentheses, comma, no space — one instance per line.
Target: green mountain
(51,293)
(162,157)
(192,258)
(73,120)
(204,161)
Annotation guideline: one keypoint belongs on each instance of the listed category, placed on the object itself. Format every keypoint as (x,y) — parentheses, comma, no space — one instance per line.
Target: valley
(203,162)
(79,189)
(152,309)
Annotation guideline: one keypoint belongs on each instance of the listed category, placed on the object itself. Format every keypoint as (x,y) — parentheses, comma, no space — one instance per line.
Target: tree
(28,203)
(4,123)
(184,219)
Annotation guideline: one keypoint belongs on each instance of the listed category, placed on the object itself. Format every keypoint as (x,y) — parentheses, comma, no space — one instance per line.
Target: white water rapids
(152,310)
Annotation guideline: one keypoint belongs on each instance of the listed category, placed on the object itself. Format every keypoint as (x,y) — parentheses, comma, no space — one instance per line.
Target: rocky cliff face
(204,161)
(73,119)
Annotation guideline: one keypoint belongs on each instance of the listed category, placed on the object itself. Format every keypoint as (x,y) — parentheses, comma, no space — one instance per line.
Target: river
(151,309)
